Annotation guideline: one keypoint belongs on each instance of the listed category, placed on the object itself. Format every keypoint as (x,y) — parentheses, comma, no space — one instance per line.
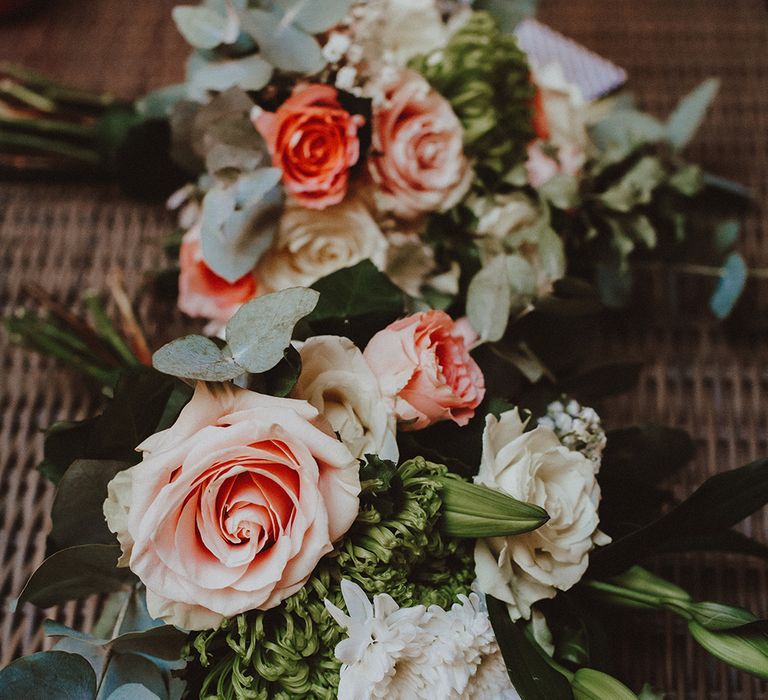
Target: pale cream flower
(311,244)
(535,467)
(337,381)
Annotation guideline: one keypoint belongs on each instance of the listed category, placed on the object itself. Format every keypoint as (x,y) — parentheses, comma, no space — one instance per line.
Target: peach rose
(202,293)
(233,506)
(423,362)
(417,158)
(313,140)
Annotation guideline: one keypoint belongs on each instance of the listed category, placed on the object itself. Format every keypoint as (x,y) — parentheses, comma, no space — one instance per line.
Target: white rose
(534,467)
(398,30)
(337,381)
(311,244)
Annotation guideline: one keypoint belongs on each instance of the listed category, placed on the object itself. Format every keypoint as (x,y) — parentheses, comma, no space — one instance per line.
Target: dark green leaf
(723,541)
(123,669)
(64,443)
(605,380)
(646,453)
(530,673)
(280,380)
(48,675)
(76,572)
(722,501)
(77,513)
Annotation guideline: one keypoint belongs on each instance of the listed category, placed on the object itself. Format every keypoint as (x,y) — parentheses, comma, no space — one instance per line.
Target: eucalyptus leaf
(624,129)
(196,357)
(48,675)
(124,669)
(77,511)
(508,13)
(504,287)
(312,16)
(561,190)
(249,73)
(636,186)
(261,330)
(726,234)
(733,279)
(76,572)
(281,44)
(684,122)
(200,26)
(132,691)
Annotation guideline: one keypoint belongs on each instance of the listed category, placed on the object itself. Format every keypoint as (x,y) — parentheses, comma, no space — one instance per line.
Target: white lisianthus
(535,467)
(417,653)
(337,381)
(311,244)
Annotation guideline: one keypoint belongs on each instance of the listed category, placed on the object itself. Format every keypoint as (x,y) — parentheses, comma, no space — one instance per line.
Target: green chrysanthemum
(486,78)
(394,546)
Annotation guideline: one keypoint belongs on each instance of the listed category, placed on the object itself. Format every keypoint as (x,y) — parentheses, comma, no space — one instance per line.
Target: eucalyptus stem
(48,126)
(701,270)
(50,145)
(106,329)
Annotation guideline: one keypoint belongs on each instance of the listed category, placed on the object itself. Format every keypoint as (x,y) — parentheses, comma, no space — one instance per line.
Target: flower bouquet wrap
(378,473)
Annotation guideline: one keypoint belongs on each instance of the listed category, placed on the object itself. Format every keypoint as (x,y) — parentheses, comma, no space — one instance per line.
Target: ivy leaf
(200,26)
(261,330)
(49,675)
(196,357)
(77,513)
(733,279)
(312,16)
(76,572)
(281,44)
(688,115)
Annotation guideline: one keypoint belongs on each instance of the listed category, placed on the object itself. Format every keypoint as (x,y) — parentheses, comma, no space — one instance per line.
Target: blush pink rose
(313,140)
(417,159)
(202,293)
(422,361)
(233,506)
(542,166)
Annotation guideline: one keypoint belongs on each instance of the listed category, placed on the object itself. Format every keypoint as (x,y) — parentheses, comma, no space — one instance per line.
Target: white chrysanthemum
(413,653)
(578,427)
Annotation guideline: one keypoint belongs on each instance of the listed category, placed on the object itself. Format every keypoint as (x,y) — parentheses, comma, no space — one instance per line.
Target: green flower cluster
(486,78)
(395,546)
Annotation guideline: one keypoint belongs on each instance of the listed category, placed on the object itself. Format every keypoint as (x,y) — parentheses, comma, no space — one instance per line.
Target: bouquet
(378,474)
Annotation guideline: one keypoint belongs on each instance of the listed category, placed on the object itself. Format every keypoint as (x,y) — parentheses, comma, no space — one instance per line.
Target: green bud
(639,579)
(746,650)
(471,510)
(588,684)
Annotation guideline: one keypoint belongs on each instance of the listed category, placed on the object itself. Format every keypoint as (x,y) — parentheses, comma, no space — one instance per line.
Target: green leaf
(312,16)
(280,380)
(636,186)
(689,113)
(472,510)
(77,511)
(281,44)
(561,190)
(249,73)
(200,26)
(76,572)
(724,541)
(261,330)
(196,357)
(647,453)
(124,669)
(48,675)
(688,181)
(589,684)
(722,501)
(63,444)
(530,673)
(132,691)
(508,13)
(745,650)
(726,234)
(239,222)
(625,129)
(356,291)
(504,287)
(718,616)
(733,279)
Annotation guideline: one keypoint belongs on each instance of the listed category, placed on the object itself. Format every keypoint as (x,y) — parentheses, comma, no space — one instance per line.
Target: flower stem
(50,145)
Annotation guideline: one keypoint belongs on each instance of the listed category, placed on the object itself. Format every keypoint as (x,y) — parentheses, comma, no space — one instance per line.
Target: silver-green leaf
(261,330)
(202,27)
(196,357)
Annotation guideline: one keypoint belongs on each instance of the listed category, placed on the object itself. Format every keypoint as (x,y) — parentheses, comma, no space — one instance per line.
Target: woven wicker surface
(707,379)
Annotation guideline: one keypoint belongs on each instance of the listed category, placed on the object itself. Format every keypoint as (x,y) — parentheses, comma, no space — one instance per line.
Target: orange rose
(313,140)
(202,293)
